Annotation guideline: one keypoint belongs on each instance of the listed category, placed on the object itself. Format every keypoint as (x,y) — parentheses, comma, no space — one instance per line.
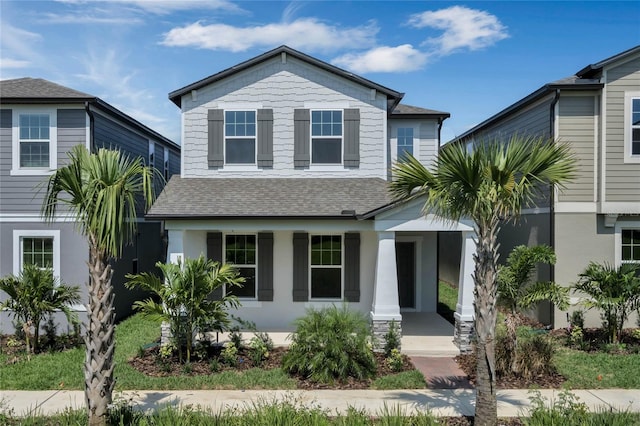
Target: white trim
(19,234)
(34,217)
(596,123)
(628,110)
(182,143)
(603,145)
(329,168)
(52,112)
(87,123)
(618,238)
(386,170)
(240,167)
(417,282)
(576,207)
(620,207)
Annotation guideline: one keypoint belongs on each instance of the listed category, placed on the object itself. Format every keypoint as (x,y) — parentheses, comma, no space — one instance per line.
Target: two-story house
(597,216)
(40,122)
(285,163)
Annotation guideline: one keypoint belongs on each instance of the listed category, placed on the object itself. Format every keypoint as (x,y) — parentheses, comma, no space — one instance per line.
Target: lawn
(598,370)
(447,300)
(63,370)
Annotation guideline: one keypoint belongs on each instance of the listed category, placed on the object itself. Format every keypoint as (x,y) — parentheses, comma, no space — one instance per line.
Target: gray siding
(24,194)
(576,126)
(110,134)
(73,258)
(174,162)
(622,181)
(533,120)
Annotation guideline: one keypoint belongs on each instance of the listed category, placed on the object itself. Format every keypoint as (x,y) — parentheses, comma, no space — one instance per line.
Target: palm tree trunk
(99,339)
(486,259)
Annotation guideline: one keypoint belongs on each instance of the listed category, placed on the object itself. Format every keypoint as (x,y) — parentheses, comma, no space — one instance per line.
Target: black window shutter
(300,266)
(352,137)
(215,153)
(265,266)
(265,138)
(214,252)
(352,267)
(301,137)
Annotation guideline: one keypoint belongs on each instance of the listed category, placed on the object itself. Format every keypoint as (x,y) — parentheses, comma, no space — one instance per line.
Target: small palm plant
(184,294)
(517,292)
(614,291)
(34,293)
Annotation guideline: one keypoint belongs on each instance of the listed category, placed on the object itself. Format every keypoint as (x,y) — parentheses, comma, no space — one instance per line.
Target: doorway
(406,266)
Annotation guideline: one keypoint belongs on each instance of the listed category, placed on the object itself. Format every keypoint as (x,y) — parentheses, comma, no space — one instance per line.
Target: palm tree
(489,184)
(34,293)
(613,290)
(102,191)
(184,297)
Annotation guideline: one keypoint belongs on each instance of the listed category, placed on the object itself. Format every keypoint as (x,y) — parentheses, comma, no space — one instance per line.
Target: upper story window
(632,127)
(326,137)
(240,137)
(166,163)
(405,141)
(241,250)
(326,266)
(635,126)
(631,245)
(152,153)
(34,141)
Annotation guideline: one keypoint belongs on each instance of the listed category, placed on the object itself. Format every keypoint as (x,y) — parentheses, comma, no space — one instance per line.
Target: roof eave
(36,100)
(251,217)
(442,116)
(176,95)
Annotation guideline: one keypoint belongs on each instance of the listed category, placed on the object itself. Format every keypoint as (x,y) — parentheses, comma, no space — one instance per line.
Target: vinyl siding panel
(576,126)
(110,134)
(533,120)
(622,180)
(285,87)
(425,140)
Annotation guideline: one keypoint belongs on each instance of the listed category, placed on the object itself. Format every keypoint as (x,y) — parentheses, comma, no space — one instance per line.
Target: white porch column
(175,248)
(464,315)
(175,251)
(386,303)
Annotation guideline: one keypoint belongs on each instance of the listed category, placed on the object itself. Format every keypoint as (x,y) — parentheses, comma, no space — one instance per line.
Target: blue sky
(471,59)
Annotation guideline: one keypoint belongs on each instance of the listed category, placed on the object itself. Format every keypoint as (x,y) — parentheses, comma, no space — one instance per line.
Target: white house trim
(386,302)
(617,237)
(620,207)
(19,234)
(576,207)
(628,96)
(52,112)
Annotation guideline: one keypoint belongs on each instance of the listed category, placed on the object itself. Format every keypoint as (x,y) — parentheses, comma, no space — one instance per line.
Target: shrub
(532,357)
(229,355)
(394,360)
(258,350)
(34,293)
(391,339)
(214,365)
(577,319)
(330,344)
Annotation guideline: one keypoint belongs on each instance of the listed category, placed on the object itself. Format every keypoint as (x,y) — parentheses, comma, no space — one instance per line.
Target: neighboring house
(597,216)
(285,163)
(40,122)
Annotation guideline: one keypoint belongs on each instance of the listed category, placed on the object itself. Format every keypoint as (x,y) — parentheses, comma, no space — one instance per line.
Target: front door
(406,264)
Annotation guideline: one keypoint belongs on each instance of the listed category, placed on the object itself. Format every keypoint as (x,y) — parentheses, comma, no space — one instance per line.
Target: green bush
(532,357)
(331,344)
(391,339)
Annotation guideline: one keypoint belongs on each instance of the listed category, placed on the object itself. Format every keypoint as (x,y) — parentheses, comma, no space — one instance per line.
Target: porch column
(175,251)
(386,304)
(464,315)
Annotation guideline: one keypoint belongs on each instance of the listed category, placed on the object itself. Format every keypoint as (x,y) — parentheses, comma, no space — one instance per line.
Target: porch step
(429,346)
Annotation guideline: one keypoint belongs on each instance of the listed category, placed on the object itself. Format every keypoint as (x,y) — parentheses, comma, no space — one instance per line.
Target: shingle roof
(269,197)
(38,88)
(409,110)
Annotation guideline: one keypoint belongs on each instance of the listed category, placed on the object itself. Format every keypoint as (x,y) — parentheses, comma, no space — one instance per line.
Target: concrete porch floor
(424,334)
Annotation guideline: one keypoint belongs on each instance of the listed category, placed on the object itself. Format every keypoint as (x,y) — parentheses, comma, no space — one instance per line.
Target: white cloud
(86,17)
(167,7)
(307,33)
(464,28)
(401,58)
(13,63)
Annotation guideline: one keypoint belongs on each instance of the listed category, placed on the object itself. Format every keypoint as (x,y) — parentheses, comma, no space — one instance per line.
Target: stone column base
(463,335)
(380,328)
(165,334)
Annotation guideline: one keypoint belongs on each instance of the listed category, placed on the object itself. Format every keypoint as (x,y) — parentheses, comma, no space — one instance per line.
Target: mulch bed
(152,365)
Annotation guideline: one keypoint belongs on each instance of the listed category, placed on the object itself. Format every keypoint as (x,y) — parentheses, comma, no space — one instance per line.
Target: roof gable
(393,97)
(592,70)
(30,89)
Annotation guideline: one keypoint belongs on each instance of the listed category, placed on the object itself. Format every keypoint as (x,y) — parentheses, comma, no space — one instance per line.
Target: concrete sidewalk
(442,402)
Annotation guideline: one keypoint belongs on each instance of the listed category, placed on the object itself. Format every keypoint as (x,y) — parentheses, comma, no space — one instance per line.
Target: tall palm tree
(489,184)
(102,191)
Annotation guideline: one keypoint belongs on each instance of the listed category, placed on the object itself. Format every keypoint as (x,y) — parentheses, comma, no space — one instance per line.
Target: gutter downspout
(552,213)
(440,123)
(91,126)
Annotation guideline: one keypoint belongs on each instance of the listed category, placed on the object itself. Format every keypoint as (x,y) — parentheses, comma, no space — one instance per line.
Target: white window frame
(254,164)
(619,226)
(312,266)
(20,234)
(413,138)
(255,266)
(16,170)
(627,228)
(628,126)
(166,164)
(311,137)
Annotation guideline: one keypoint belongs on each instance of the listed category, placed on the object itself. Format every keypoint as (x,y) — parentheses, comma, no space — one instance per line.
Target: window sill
(328,168)
(239,168)
(321,303)
(31,172)
(250,303)
(632,159)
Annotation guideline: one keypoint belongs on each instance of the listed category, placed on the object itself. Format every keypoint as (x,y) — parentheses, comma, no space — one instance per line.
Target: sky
(471,59)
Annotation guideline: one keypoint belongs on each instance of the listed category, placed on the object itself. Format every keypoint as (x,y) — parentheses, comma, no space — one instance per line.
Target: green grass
(447,300)
(405,380)
(583,370)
